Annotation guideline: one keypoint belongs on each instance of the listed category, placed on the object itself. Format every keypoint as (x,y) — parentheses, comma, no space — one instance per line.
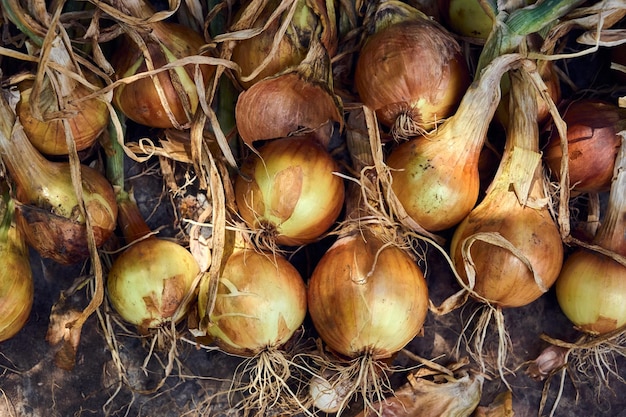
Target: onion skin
(593,143)
(290,190)
(261,302)
(139,100)
(414,69)
(363,301)
(88,121)
(16,279)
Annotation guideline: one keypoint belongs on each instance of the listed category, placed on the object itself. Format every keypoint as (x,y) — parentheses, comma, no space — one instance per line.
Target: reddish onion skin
(364,298)
(593,143)
(412,68)
(290,190)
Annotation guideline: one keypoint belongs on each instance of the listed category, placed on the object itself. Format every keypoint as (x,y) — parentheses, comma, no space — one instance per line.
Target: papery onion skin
(148,282)
(261,302)
(17,288)
(591,292)
(593,143)
(363,301)
(87,123)
(139,100)
(290,190)
(411,68)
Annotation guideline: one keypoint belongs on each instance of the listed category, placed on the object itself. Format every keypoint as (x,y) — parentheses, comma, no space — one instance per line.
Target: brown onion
(410,70)
(593,143)
(139,100)
(591,288)
(367,298)
(290,192)
(300,98)
(436,177)
(16,278)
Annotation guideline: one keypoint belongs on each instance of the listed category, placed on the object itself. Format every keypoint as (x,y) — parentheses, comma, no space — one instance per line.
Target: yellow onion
(290,192)
(149,282)
(300,98)
(466,18)
(311,19)
(260,303)
(367,298)
(48,208)
(593,143)
(139,100)
(410,70)
(514,207)
(87,119)
(591,288)
(16,279)
(436,178)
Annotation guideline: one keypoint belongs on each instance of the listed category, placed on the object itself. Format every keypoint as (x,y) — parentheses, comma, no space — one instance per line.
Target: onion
(16,279)
(311,20)
(48,208)
(436,177)
(514,207)
(259,306)
(593,143)
(508,250)
(300,98)
(410,70)
(367,298)
(591,288)
(289,193)
(467,18)
(58,100)
(165,42)
(149,283)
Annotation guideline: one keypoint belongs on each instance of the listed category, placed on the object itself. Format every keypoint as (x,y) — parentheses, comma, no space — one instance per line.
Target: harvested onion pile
(314,157)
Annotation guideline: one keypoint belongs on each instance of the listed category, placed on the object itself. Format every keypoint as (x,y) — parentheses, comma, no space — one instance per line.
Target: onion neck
(611,234)
(27,167)
(386,13)
(131,221)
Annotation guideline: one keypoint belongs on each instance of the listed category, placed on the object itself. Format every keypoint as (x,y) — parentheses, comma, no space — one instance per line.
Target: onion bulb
(514,207)
(367,298)
(149,283)
(410,70)
(467,18)
(48,208)
(16,279)
(311,20)
(289,192)
(593,143)
(591,287)
(259,306)
(300,98)
(436,177)
(139,100)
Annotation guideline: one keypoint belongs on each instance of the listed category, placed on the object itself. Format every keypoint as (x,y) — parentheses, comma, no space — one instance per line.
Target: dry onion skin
(410,70)
(591,287)
(17,288)
(593,143)
(289,193)
(139,100)
(310,19)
